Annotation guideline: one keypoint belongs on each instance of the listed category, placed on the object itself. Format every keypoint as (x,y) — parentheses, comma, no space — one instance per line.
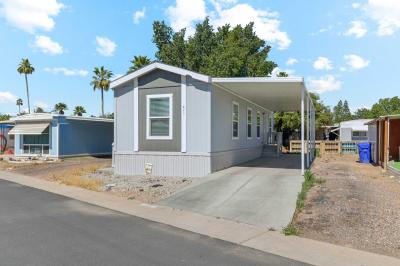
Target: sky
(345,50)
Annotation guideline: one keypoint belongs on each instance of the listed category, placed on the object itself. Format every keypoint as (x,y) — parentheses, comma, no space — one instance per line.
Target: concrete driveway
(262,192)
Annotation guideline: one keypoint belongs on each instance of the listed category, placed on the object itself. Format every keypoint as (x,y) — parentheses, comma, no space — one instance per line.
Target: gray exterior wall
(372,138)
(123,118)
(226,151)
(84,137)
(346,134)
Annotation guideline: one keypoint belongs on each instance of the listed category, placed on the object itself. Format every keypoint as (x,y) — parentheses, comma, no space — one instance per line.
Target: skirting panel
(225,159)
(162,164)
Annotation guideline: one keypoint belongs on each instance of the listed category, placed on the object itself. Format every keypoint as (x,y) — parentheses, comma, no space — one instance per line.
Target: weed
(290,230)
(76,177)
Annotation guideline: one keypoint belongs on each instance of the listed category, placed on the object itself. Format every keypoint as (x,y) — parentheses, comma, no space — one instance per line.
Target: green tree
(101,81)
(363,113)
(39,110)
(386,106)
(282,74)
(79,110)
(26,68)
(229,52)
(4,117)
(60,108)
(19,104)
(138,62)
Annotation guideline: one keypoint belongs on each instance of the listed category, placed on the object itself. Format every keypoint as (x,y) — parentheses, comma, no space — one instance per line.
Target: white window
(249,122)
(159,116)
(258,125)
(235,120)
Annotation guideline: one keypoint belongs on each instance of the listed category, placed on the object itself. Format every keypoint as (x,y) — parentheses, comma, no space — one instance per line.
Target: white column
(135,115)
(308,132)
(183,114)
(302,131)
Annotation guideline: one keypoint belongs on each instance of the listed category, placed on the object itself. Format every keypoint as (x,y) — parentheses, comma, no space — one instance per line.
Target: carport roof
(274,94)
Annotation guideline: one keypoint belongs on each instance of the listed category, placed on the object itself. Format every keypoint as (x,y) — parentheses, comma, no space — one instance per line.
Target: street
(41,228)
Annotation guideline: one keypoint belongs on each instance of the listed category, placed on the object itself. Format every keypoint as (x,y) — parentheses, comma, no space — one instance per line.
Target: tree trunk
(19,109)
(27,93)
(102,102)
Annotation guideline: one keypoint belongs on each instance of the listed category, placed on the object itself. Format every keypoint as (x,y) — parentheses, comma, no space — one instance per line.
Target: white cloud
(291,61)
(184,14)
(324,84)
(31,15)
(105,46)
(386,13)
(47,45)
(67,71)
(355,61)
(357,29)
(322,63)
(355,5)
(7,97)
(139,15)
(266,24)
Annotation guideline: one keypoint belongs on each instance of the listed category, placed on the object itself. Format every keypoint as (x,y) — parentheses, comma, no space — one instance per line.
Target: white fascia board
(259,80)
(156,65)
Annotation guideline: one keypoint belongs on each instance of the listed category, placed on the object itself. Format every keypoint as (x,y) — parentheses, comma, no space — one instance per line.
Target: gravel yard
(357,206)
(148,189)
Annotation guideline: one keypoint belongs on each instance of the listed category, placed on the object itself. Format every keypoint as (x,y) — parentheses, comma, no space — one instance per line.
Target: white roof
(49,117)
(274,94)
(157,65)
(357,125)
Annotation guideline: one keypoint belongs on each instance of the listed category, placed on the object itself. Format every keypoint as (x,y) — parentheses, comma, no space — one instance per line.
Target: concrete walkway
(262,192)
(296,248)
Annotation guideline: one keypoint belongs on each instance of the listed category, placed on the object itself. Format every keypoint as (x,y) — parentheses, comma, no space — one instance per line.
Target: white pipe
(302,131)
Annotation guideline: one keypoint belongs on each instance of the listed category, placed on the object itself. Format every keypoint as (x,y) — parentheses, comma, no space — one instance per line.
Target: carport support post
(308,131)
(302,131)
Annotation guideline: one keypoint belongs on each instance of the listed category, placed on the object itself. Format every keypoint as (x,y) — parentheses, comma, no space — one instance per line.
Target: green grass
(310,180)
(396,165)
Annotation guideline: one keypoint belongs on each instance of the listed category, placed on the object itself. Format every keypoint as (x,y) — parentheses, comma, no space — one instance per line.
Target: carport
(281,94)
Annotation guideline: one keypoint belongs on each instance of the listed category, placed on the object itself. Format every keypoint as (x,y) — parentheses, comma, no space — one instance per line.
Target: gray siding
(123,115)
(84,137)
(346,134)
(160,82)
(198,116)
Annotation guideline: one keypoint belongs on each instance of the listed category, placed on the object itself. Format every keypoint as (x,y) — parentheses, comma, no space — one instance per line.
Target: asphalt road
(41,228)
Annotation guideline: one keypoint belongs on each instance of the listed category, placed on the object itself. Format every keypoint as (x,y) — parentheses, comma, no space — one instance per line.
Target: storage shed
(354,130)
(58,136)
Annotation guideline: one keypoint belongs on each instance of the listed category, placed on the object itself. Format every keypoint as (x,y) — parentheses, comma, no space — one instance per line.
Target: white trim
(170,117)
(58,138)
(258,115)
(247,123)
(241,97)
(135,115)
(238,129)
(258,80)
(156,65)
(302,131)
(183,113)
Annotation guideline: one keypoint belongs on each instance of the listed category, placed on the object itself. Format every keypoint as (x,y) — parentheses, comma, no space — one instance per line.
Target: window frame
(238,120)
(29,146)
(258,124)
(249,123)
(148,118)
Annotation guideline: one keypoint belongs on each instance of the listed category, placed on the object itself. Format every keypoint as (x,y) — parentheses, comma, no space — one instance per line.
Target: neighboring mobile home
(6,140)
(384,135)
(174,122)
(354,130)
(60,136)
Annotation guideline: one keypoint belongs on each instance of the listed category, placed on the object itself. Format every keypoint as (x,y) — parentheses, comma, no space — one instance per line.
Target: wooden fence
(327,147)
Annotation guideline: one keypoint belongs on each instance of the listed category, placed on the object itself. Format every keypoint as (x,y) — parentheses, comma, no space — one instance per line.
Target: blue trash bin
(364,151)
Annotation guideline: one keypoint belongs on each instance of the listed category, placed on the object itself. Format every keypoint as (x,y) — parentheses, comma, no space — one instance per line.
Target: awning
(274,94)
(29,129)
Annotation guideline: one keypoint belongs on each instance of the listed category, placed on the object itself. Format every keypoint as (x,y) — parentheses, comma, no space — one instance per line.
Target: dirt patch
(357,206)
(148,189)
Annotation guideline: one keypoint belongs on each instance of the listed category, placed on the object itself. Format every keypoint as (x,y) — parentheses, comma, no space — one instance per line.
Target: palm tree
(79,110)
(26,68)
(19,103)
(138,62)
(60,107)
(101,81)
